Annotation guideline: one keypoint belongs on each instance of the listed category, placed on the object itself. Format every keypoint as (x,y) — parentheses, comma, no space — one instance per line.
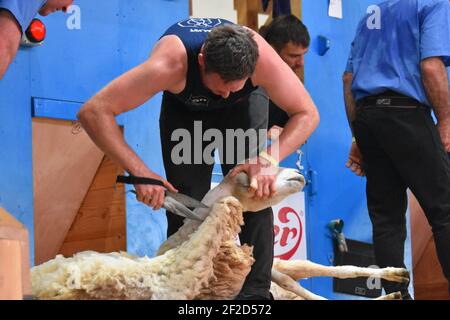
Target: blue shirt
(388,58)
(23,10)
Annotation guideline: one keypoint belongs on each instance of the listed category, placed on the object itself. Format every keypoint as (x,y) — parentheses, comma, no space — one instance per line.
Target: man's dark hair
(230,51)
(285,29)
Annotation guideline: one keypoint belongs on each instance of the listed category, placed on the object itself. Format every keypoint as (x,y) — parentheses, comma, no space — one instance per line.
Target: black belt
(389,99)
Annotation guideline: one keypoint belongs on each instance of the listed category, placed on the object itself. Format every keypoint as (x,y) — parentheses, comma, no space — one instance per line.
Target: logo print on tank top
(200,24)
(198,101)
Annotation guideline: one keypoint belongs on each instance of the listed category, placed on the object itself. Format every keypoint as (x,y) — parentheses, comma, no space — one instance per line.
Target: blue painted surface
(340,194)
(16,194)
(71,66)
(58,109)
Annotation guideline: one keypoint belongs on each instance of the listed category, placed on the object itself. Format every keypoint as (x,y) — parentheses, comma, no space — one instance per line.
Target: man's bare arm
(287,91)
(164,70)
(350,104)
(435,81)
(10,34)
(355,158)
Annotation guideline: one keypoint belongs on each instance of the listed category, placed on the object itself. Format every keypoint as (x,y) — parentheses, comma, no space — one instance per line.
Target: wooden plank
(247,12)
(10,270)
(65,161)
(296,8)
(109,244)
(429,281)
(12,230)
(100,224)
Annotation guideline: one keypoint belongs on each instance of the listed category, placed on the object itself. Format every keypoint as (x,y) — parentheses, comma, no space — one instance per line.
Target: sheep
(201,261)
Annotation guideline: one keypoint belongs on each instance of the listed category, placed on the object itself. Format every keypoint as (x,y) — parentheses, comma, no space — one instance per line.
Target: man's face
(214,82)
(54,5)
(293,55)
(219,87)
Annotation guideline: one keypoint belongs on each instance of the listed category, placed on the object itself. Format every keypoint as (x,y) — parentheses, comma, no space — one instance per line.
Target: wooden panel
(65,161)
(429,281)
(100,224)
(296,8)
(247,12)
(14,236)
(10,270)
(11,228)
(110,244)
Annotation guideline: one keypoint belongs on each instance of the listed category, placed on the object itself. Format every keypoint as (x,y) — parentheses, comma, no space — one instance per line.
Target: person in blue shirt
(395,77)
(209,71)
(15,17)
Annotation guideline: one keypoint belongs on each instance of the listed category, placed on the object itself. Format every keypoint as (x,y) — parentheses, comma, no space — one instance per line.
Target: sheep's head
(288,181)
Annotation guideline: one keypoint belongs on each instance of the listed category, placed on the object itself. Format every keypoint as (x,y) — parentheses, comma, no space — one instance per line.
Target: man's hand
(152,195)
(262,176)
(444,132)
(355,160)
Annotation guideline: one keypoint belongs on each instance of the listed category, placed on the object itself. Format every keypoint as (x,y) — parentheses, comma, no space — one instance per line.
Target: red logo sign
(288,234)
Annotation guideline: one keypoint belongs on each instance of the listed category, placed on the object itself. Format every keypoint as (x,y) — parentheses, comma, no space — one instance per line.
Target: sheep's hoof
(392,296)
(396,274)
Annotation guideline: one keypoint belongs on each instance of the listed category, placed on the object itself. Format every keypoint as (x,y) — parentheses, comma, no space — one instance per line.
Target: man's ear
(201,59)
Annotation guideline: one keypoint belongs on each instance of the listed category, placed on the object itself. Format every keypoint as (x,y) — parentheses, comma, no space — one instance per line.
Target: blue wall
(340,193)
(72,65)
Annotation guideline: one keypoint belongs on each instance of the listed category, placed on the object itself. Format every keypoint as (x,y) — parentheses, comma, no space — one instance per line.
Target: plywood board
(100,224)
(65,161)
(429,281)
(14,236)
(10,270)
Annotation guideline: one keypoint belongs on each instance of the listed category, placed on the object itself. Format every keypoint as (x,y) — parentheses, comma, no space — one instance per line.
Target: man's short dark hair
(230,51)
(285,29)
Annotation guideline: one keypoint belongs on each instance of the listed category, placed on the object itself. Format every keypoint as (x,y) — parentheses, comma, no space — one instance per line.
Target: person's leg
(426,170)
(193,179)
(258,230)
(386,200)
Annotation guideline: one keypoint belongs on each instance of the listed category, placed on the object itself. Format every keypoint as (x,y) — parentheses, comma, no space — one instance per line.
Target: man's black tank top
(195,96)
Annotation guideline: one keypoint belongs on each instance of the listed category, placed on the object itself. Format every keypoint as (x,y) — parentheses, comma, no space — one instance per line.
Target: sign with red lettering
(289,227)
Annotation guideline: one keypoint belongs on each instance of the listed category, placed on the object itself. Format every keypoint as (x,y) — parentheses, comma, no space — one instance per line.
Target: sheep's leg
(289,284)
(392,296)
(300,269)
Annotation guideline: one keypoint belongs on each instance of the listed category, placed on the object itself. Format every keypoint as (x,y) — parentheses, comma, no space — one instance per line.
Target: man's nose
(225,94)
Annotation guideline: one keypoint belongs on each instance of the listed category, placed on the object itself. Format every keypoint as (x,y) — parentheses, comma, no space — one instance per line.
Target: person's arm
(355,159)
(435,81)
(434,49)
(286,90)
(10,34)
(164,70)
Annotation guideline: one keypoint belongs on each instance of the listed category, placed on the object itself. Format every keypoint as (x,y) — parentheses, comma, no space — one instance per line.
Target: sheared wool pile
(184,272)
